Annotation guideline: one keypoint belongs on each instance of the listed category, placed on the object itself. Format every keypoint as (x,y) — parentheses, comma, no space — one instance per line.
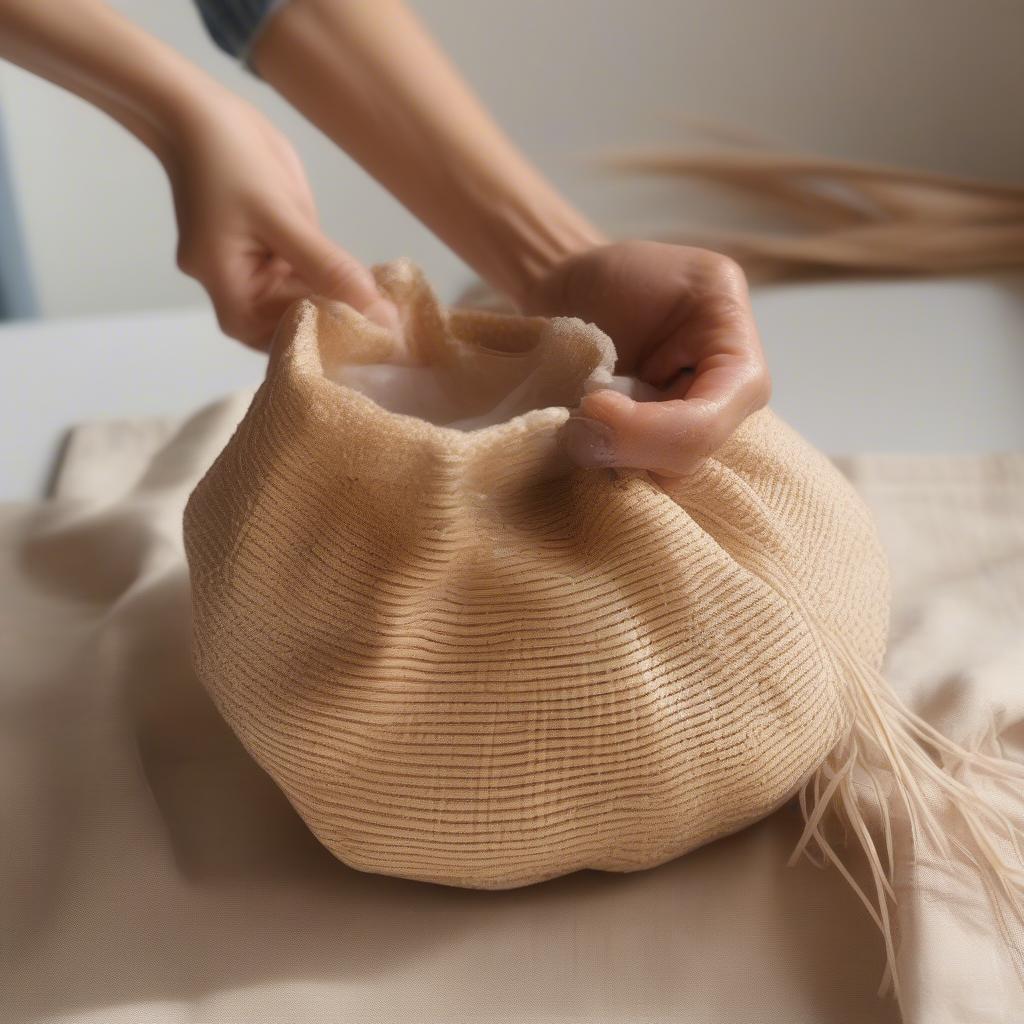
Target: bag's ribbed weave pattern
(466,661)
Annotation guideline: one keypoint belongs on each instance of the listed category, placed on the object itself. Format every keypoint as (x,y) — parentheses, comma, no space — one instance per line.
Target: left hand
(681,321)
(248,227)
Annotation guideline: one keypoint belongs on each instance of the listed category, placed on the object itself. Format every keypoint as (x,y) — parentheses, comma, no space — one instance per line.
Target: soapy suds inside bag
(433,395)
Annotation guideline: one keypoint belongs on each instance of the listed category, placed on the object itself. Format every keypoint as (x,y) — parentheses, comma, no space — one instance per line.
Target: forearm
(371,78)
(89,49)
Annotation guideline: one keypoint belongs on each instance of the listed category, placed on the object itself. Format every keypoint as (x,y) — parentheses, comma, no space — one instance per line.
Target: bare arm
(368,74)
(92,51)
(374,81)
(247,223)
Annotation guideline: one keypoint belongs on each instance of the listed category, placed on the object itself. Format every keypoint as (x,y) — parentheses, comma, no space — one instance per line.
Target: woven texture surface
(464,660)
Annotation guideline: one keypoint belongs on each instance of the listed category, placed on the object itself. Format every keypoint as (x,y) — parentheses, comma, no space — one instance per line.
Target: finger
(669,437)
(331,271)
(268,305)
(718,321)
(268,310)
(226,278)
(722,327)
(249,291)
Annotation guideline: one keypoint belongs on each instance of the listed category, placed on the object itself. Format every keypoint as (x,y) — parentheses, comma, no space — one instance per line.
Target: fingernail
(589,442)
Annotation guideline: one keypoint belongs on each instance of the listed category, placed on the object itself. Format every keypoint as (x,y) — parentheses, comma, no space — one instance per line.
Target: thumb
(330,271)
(669,438)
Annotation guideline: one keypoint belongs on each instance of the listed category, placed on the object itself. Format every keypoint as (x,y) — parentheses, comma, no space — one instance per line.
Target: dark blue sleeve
(234,24)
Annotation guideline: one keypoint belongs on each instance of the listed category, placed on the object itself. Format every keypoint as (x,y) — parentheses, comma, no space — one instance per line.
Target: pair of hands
(680,317)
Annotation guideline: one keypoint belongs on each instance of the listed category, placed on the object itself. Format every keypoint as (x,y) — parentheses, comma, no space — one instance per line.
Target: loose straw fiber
(854,217)
(466,661)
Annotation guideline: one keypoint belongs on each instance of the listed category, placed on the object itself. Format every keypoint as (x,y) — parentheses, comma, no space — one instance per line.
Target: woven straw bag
(466,661)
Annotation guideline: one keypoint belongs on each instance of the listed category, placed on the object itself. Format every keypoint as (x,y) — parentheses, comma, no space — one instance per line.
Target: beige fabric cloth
(150,871)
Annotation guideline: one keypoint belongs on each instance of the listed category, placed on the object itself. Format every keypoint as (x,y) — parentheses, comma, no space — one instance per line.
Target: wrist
(373,80)
(177,104)
(533,240)
(527,230)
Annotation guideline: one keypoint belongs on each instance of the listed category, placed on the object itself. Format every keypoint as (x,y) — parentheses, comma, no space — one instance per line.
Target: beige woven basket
(465,660)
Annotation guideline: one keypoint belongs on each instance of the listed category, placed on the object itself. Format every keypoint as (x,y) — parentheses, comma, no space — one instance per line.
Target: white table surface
(879,366)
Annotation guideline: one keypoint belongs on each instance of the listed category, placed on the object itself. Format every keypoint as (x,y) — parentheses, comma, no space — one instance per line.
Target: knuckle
(186,260)
(728,271)
(732,309)
(233,323)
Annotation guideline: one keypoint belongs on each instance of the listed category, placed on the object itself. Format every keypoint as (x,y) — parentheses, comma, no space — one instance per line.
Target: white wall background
(931,83)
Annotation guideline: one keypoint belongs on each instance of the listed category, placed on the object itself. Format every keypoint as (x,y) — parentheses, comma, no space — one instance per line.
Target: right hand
(681,321)
(248,228)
